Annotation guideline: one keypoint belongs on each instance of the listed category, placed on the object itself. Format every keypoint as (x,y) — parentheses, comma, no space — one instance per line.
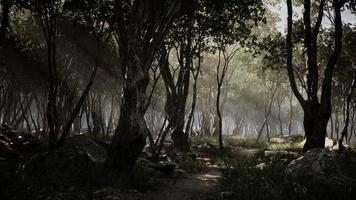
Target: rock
(180,173)
(78,161)
(94,150)
(227,195)
(166,167)
(322,167)
(15,148)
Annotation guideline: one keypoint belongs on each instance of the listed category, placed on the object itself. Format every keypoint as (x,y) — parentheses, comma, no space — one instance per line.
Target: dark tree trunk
(315,125)
(290,115)
(267,113)
(218,112)
(347,110)
(176,98)
(195,73)
(352,126)
(280,119)
(47,13)
(130,135)
(6,6)
(78,106)
(141,28)
(331,127)
(316,114)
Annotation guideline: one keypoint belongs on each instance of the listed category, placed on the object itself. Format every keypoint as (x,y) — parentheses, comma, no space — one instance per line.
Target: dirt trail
(193,187)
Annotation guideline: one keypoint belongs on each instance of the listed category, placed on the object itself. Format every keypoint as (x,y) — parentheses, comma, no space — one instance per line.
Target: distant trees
(193,34)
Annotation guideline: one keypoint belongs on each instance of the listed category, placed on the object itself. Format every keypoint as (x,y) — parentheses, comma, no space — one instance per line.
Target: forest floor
(207,172)
(196,186)
(192,187)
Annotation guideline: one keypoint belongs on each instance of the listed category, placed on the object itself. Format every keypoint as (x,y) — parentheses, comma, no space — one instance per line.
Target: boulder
(228,195)
(78,161)
(15,148)
(325,169)
(95,150)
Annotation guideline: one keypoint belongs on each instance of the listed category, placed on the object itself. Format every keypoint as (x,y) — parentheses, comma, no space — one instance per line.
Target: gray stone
(227,195)
(80,160)
(321,166)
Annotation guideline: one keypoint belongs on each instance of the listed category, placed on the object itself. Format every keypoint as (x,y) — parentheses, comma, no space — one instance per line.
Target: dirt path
(193,187)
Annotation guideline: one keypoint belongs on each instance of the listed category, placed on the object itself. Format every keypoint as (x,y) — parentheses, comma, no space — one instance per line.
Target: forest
(177,99)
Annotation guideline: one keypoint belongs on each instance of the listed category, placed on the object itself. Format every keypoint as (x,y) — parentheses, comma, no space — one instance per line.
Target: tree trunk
(290,115)
(141,33)
(331,127)
(6,6)
(316,115)
(315,123)
(337,124)
(352,127)
(218,112)
(131,132)
(280,119)
(347,112)
(176,98)
(267,113)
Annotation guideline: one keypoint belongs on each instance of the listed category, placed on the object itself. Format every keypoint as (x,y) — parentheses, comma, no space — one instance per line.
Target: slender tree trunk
(195,73)
(77,108)
(347,112)
(331,127)
(337,124)
(267,113)
(280,119)
(176,98)
(219,116)
(352,126)
(290,115)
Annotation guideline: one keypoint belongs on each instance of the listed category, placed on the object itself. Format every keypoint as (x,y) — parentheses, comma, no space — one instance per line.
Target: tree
(316,113)
(192,35)
(48,13)
(140,27)
(224,58)
(4,25)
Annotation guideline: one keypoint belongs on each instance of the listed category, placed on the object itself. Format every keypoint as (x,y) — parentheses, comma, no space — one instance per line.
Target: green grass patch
(231,142)
(259,178)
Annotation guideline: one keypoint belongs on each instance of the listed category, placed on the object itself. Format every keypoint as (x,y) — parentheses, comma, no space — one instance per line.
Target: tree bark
(176,98)
(290,114)
(6,6)
(316,115)
(265,121)
(347,120)
(141,28)
(130,135)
